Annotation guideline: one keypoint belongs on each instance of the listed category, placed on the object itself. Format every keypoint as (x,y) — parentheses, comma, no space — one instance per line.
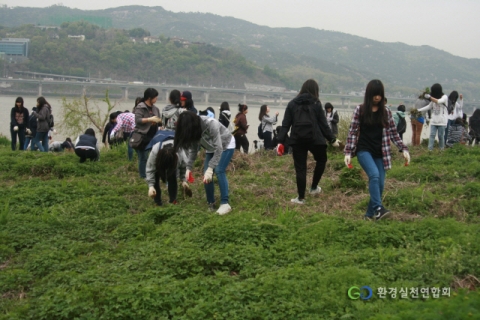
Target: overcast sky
(453,26)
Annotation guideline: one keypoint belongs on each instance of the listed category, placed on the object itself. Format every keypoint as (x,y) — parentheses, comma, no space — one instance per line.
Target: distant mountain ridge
(341,62)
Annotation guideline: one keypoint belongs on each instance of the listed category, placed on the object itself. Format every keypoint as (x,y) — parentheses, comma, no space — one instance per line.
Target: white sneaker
(297,201)
(224,209)
(316,191)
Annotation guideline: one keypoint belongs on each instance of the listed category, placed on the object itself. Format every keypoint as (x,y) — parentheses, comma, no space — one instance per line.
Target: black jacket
(13,120)
(323,135)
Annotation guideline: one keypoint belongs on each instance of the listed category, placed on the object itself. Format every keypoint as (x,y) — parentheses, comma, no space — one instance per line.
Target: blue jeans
(33,147)
(441,136)
(142,162)
(129,149)
(39,141)
(375,171)
(449,123)
(221,176)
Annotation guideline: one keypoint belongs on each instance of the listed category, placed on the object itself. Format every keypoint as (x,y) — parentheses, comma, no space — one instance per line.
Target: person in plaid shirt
(371,130)
(126,120)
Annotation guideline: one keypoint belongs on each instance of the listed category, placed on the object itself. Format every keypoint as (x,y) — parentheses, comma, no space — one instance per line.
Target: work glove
(29,131)
(188,174)
(336,143)
(280,149)
(15,128)
(151,192)
(154,119)
(347,161)
(427,96)
(406,155)
(186,189)
(208,176)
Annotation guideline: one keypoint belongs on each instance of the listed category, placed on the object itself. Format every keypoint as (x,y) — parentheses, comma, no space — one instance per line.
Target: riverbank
(85,241)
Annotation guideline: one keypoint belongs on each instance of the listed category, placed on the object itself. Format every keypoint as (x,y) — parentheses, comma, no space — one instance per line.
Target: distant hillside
(340,61)
(111,53)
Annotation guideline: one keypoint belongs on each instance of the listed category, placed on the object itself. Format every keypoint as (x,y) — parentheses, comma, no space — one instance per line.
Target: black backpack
(50,121)
(401,125)
(305,125)
(260,131)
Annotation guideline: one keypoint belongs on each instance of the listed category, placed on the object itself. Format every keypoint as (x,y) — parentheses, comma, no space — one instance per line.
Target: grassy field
(83,241)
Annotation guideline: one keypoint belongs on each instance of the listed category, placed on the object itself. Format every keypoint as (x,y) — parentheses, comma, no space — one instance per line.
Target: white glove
(208,176)
(151,192)
(15,128)
(427,96)
(29,131)
(187,174)
(154,119)
(347,160)
(336,143)
(54,131)
(406,155)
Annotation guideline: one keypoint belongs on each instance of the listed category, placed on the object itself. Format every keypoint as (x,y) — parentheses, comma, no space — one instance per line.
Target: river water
(7,103)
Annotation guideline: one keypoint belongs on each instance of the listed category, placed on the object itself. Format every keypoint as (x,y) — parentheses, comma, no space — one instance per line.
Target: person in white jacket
(457,111)
(438,105)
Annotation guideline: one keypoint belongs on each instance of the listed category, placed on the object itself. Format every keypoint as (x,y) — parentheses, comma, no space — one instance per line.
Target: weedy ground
(83,241)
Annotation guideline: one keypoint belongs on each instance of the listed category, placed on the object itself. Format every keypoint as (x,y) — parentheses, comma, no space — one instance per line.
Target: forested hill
(111,53)
(341,62)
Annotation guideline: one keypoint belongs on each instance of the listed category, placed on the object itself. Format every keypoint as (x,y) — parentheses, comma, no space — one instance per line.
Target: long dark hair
(174,97)
(41,102)
(453,97)
(188,131)
(263,112)
(436,91)
(166,162)
(374,88)
(137,101)
(150,93)
(328,105)
(19,99)
(310,86)
(224,106)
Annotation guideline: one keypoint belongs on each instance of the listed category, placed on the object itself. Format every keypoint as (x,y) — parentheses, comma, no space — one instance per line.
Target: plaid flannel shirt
(125,120)
(389,134)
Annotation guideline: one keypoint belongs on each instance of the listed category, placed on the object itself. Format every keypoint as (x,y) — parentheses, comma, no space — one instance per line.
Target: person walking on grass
(474,125)
(267,126)
(171,112)
(371,130)
(86,146)
(194,131)
(166,165)
(332,118)
(399,118)
(438,105)
(147,119)
(225,115)
(31,131)
(310,132)
(43,113)
(18,124)
(241,127)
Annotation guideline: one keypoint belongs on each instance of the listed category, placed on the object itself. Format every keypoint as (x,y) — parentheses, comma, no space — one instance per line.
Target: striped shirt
(389,134)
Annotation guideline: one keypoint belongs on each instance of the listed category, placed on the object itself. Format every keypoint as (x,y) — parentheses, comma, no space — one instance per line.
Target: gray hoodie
(151,167)
(268,122)
(170,115)
(215,138)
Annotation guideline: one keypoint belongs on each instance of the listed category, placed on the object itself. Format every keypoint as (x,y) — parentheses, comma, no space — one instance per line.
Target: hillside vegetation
(342,62)
(111,53)
(83,241)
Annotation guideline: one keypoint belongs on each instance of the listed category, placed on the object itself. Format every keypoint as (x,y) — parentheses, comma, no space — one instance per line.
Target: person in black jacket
(108,129)
(31,131)
(86,146)
(18,124)
(225,114)
(317,145)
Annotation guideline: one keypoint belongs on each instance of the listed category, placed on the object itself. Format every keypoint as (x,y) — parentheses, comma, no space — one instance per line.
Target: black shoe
(368,218)
(381,213)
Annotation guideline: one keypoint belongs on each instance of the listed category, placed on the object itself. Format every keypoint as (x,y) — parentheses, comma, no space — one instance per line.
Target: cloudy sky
(448,25)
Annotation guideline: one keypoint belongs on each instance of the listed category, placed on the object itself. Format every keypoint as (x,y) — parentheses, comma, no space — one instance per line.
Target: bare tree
(84,112)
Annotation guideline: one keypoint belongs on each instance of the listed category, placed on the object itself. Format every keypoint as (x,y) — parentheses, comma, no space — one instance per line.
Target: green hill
(341,61)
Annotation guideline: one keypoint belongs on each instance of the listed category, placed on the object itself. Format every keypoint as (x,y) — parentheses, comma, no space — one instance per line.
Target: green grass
(83,241)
